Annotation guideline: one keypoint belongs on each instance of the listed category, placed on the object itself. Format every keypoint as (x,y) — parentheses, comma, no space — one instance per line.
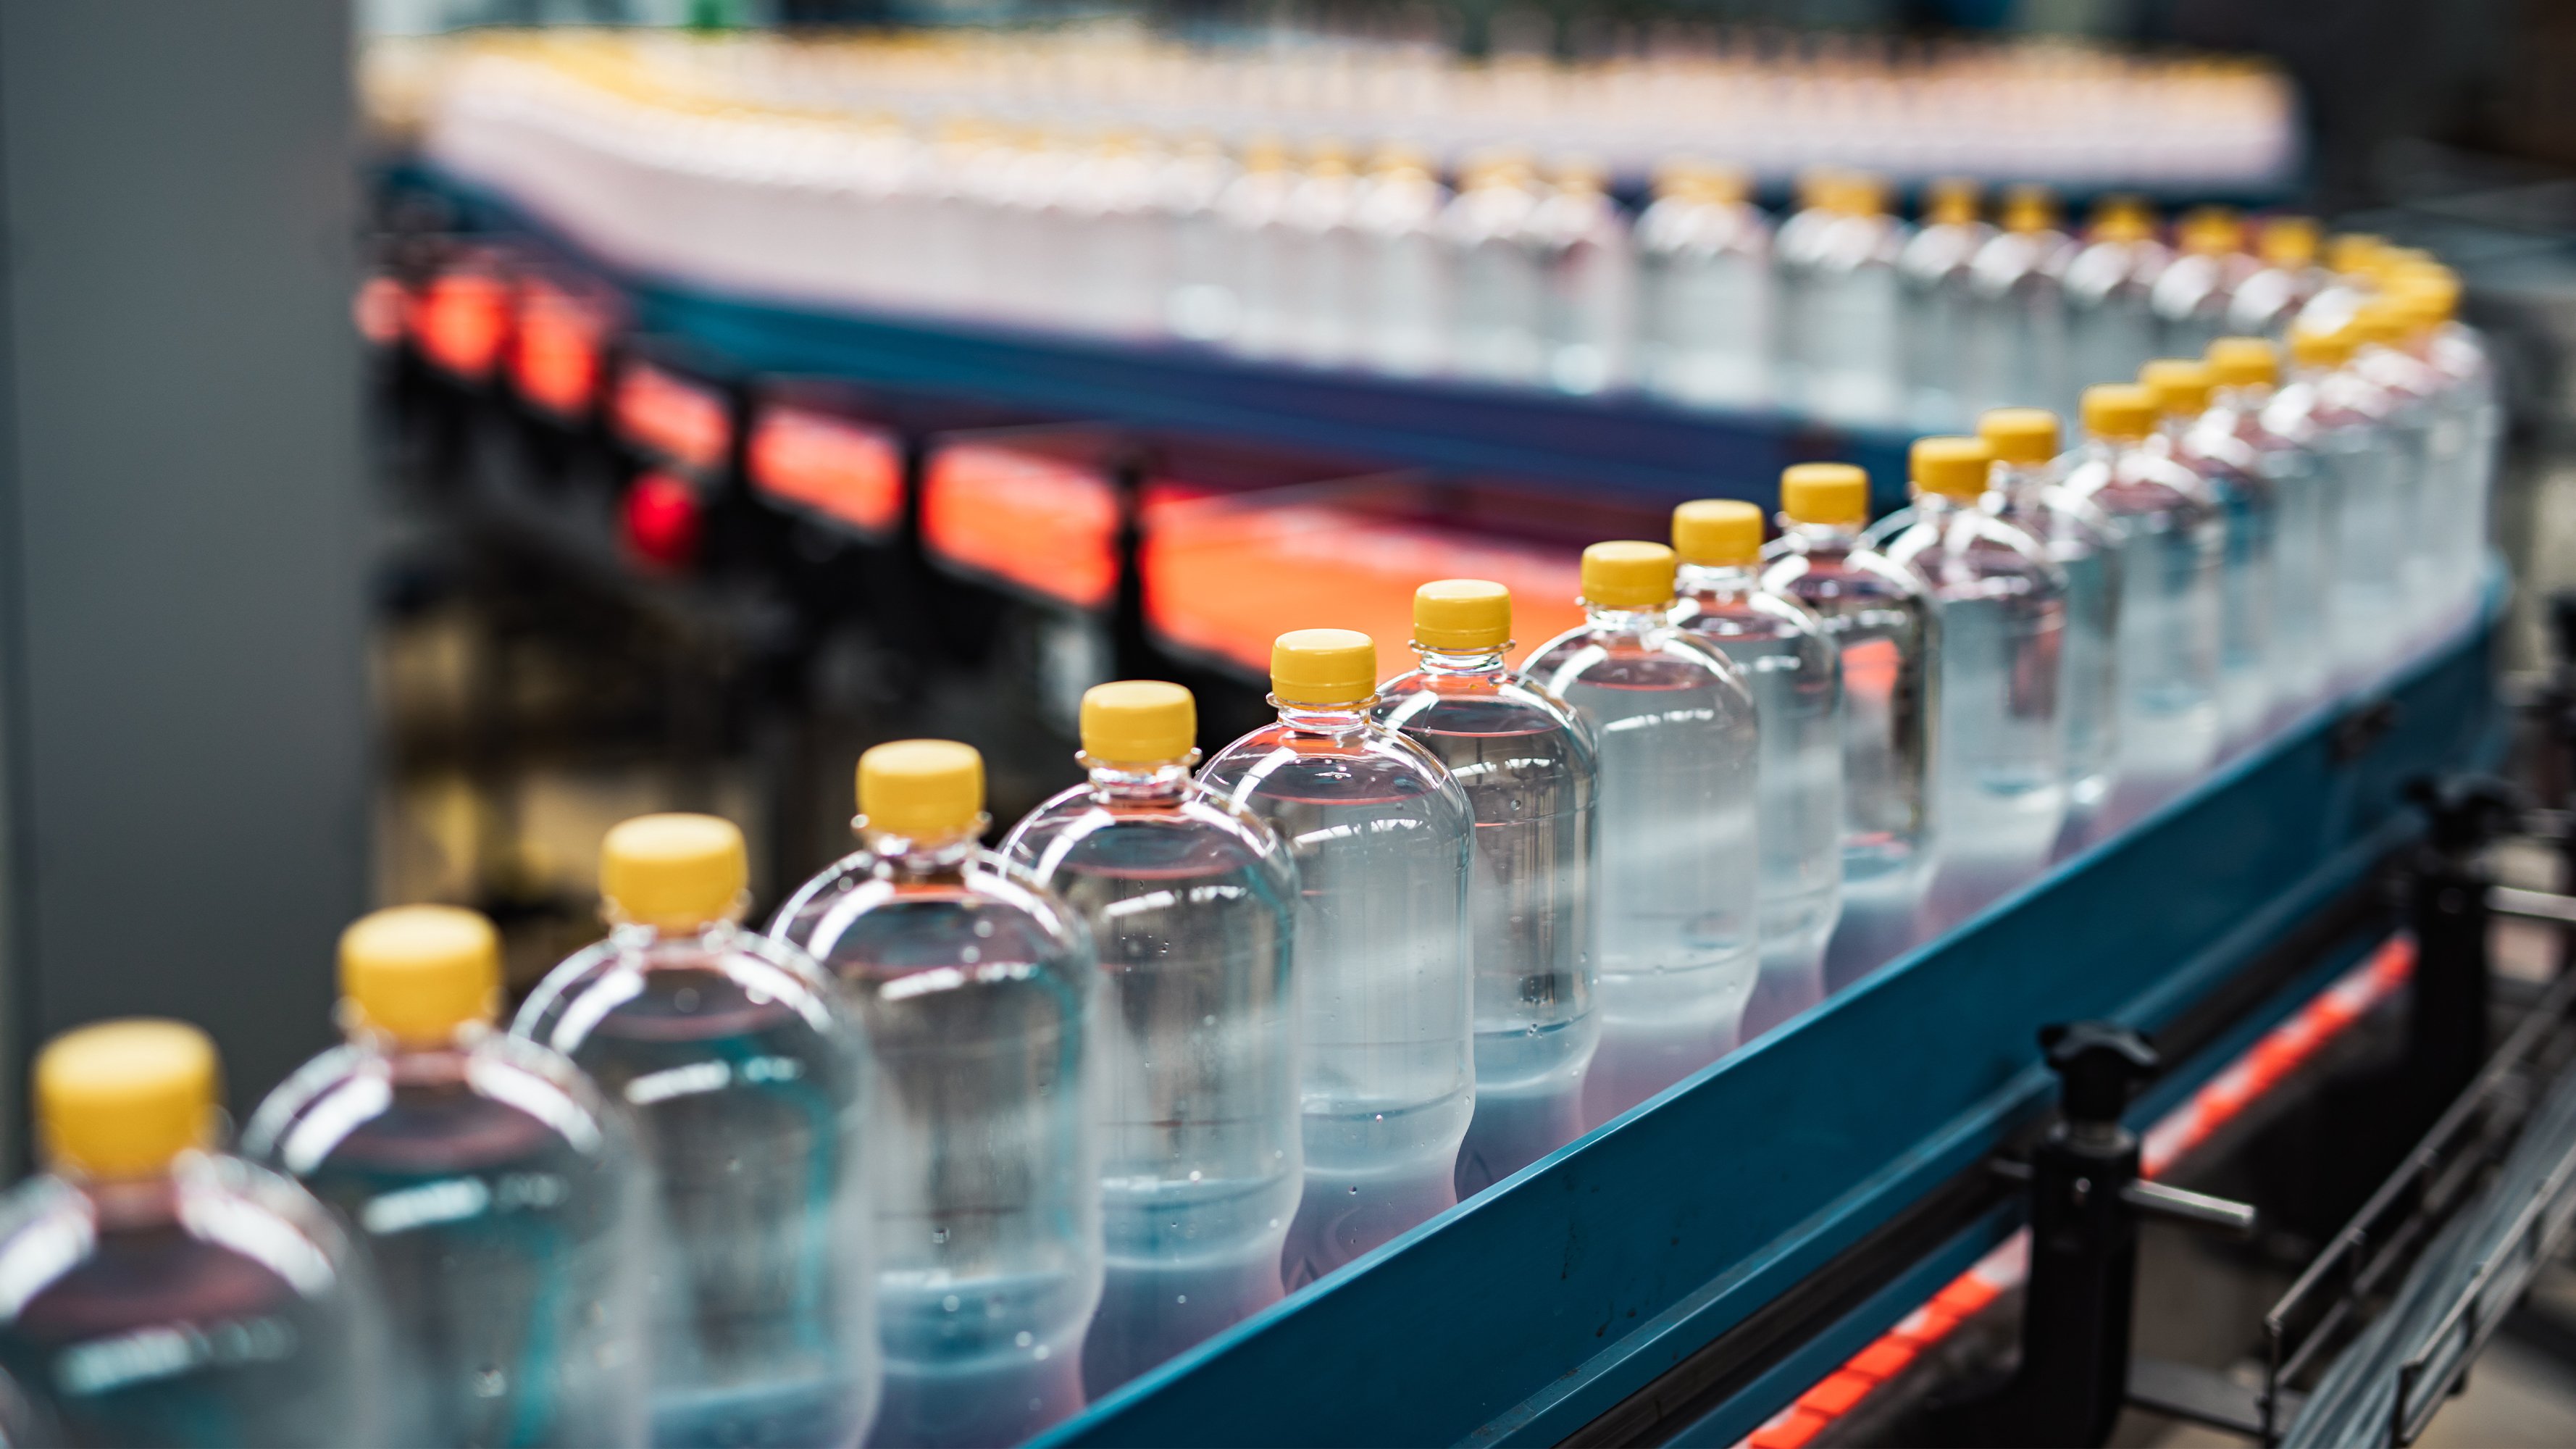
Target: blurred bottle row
(1415,256)
(2077,116)
(966,1137)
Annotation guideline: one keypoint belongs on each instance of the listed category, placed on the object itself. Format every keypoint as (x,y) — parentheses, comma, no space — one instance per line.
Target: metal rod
(2532,905)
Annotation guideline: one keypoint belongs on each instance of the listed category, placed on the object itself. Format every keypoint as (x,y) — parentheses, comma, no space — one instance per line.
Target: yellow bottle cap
(674,872)
(1461,615)
(1861,194)
(2244,362)
(2124,219)
(916,788)
(1627,574)
(1323,666)
(122,1098)
(2020,436)
(1718,533)
(2119,412)
(1951,201)
(1136,722)
(2430,293)
(2210,230)
(1952,467)
(2179,385)
(2312,347)
(2380,320)
(2352,252)
(1831,493)
(2289,241)
(417,973)
(2029,208)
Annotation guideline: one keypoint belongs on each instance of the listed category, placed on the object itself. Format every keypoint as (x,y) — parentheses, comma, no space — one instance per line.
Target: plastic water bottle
(2267,302)
(1680,856)
(2110,322)
(2001,736)
(2015,340)
(1404,281)
(1380,833)
(2083,541)
(496,1196)
(1586,274)
(2247,374)
(1847,315)
(1500,290)
(2459,353)
(2232,474)
(2196,293)
(1261,249)
(167,1293)
(2174,543)
(2351,278)
(1933,270)
(1199,301)
(2429,447)
(744,1081)
(1790,667)
(1191,901)
(977,990)
(1881,623)
(1704,281)
(1324,252)
(1528,767)
(2339,418)
(1797,252)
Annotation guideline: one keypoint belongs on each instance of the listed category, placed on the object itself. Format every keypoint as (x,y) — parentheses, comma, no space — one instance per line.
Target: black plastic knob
(2099,1065)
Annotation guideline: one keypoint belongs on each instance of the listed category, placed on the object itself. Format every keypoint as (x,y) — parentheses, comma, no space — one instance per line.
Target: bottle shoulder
(642,984)
(498,1099)
(1665,657)
(220,1237)
(1970,553)
(1202,833)
(1503,703)
(1831,582)
(861,913)
(1277,765)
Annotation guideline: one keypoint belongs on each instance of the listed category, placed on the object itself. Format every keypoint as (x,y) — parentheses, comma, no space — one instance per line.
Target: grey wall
(181,687)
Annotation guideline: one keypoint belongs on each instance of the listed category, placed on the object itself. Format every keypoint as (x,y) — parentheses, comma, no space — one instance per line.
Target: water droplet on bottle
(1194,1174)
(1042,1352)
(1024,1338)
(490,1383)
(685,999)
(949,1303)
(1180,1298)
(983,928)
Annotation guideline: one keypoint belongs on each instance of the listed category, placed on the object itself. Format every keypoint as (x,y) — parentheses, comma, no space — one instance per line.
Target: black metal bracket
(2086,1201)
(2448,907)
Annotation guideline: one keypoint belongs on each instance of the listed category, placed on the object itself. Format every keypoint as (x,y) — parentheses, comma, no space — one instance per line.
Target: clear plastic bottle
(1847,315)
(2016,334)
(1323,250)
(1118,239)
(1933,270)
(744,1080)
(2000,739)
(1404,280)
(1586,274)
(1529,769)
(977,991)
(2110,324)
(1199,301)
(1704,289)
(2196,293)
(2267,302)
(164,1292)
(2247,375)
(1797,252)
(2231,471)
(1380,832)
(2084,541)
(2429,447)
(2459,353)
(1191,901)
(2340,419)
(1884,635)
(1500,289)
(1680,855)
(2173,546)
(1260,249)
(1790,667)
(2352,264)
(495,1193)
